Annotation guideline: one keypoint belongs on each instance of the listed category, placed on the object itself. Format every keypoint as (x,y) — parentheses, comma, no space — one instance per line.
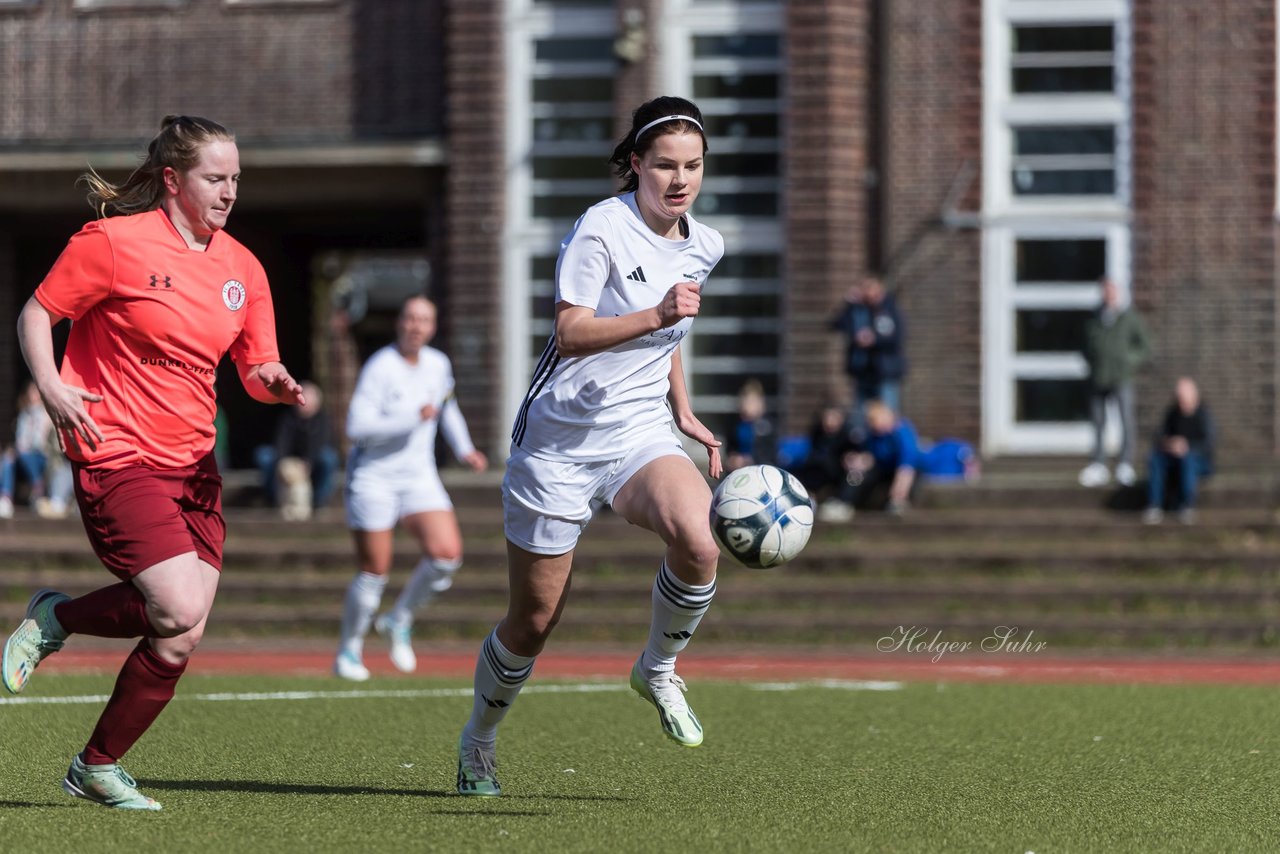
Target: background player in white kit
(596,428)
(403,391)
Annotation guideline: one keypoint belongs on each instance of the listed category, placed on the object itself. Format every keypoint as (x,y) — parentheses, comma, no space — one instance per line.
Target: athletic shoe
(1125,475)
(477,771)
(401,649)
(1152,516)
(834,510)
(1094,474)
(666,692)
(349,666)
(6,507)
(36,637)
(109,785)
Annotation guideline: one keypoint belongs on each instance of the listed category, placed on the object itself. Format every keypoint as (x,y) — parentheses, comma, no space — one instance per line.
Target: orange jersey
(151,319)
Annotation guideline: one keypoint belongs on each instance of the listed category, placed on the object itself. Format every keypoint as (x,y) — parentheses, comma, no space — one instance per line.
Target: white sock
(500,674)
(677,609)
(364,594)
(430,578)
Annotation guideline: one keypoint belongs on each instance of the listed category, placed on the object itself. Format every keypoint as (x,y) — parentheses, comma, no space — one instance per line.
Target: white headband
(689,119)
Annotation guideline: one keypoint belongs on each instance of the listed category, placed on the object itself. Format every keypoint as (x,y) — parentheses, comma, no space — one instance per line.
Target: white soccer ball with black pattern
(761,516)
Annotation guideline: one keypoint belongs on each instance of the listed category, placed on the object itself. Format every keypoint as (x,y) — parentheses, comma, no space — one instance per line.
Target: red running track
(788,666)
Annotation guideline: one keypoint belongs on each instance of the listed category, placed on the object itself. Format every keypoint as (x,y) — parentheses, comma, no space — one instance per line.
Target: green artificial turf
(945,767)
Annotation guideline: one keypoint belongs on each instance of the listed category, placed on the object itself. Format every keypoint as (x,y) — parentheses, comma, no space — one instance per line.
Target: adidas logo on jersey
(637,275)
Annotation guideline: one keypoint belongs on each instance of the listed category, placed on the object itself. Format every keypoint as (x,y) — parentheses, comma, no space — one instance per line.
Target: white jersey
(390,440)
(589,408)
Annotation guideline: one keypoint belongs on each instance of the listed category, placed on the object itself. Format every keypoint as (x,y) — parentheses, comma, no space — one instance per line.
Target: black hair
(648,112)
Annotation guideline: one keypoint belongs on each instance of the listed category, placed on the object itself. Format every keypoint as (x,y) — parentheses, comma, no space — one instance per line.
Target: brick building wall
(1204,238)
(828,128)
(475,201)
(275,71)
(932,99)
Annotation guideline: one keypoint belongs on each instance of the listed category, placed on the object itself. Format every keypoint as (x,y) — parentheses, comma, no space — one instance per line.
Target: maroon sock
(143,688)
(118,611)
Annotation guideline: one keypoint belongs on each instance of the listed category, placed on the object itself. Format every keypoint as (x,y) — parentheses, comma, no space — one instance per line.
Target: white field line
(431,693)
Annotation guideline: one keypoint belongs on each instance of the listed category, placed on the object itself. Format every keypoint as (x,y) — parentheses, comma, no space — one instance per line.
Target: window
(1081,260)
(560,89)
(1063,59)
(1056,193)
(734,71)
(1064,161)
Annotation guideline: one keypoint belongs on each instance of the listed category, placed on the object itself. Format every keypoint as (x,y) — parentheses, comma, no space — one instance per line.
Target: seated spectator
(889,457)
(822,469)
(27,456)
(302,432)
(1183,453)
(751,438)
(60,499)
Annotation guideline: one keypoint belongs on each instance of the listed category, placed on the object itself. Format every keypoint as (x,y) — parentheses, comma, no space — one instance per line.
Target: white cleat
(399,634)
(1094,474)
(350,667)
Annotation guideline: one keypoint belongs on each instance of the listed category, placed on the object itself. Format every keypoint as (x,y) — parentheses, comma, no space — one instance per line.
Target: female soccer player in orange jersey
(158,293)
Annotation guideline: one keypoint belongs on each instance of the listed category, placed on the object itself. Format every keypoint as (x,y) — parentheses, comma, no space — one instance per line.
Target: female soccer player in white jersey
(596,428)
(402,391)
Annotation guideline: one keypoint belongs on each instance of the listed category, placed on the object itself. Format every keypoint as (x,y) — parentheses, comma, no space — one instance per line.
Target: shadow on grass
(311,789)
(23,805)
(284,788)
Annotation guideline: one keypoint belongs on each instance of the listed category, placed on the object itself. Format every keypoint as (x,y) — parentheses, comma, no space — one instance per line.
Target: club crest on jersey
(233,295)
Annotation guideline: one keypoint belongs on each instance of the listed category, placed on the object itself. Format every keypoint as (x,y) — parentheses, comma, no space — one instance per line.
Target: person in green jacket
(1116,345)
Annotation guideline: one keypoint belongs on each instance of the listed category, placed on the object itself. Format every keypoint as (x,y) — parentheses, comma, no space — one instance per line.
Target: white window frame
(681,20)
(1008,218)
(524,236)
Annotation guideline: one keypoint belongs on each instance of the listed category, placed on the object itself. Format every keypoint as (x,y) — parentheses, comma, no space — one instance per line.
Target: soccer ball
(761,516)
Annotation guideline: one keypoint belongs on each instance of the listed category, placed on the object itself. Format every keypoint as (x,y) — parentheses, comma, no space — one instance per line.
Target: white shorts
(376,505)
(546,504)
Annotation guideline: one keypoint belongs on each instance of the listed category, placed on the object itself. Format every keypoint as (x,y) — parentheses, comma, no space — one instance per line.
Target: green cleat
(109,785)
(37,636)
(666,692)
(477,771)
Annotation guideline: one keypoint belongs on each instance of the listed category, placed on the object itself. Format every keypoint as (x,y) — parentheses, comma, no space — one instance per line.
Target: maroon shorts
(138,516)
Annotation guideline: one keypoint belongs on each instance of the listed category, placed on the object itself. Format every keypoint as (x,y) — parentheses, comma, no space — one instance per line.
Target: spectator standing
(875,334)
(1183,448)
(1116,345)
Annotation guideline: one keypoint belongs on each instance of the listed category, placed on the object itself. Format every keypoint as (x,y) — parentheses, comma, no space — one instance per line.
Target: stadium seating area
(1026,547)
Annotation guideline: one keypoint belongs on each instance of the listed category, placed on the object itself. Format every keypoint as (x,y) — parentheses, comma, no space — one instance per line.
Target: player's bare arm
(580,333)
(64,403)
(270,382)
(686,421)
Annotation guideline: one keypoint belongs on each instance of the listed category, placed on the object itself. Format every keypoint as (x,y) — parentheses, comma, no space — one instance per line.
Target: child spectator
(751,438)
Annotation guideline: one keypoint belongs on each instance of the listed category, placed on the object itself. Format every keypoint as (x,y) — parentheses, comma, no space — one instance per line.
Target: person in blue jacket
(875,358)
(890,455)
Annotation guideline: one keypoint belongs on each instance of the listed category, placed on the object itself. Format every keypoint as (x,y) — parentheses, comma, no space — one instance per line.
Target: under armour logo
(155,281)
(637,275)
